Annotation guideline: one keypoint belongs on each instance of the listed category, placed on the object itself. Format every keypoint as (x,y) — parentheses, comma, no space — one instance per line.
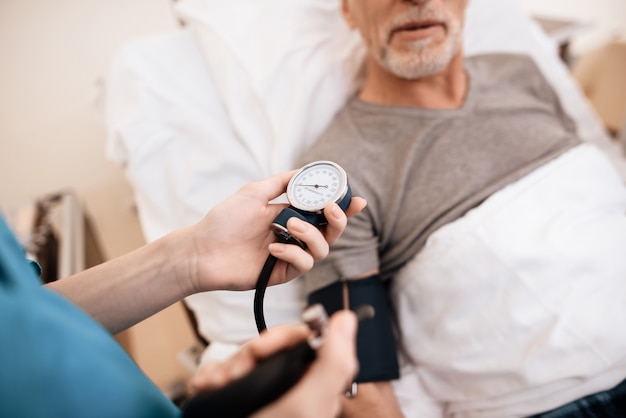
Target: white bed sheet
(195,114)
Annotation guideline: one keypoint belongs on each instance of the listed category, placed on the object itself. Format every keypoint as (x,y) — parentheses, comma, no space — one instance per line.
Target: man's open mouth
(424,24)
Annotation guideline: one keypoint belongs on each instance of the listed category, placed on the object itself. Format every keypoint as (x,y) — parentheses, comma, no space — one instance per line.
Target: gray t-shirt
(420,169)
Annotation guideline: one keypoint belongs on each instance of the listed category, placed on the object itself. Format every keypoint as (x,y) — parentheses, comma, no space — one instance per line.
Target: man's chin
(419,60)
(412,69)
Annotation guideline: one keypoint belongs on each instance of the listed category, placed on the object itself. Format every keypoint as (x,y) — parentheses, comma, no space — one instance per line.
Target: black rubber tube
(259,293)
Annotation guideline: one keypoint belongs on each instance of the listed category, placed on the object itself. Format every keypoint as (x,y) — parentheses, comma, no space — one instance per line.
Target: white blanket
(520,305)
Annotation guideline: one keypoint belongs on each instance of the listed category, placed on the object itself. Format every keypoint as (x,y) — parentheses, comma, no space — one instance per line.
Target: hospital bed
(240,91)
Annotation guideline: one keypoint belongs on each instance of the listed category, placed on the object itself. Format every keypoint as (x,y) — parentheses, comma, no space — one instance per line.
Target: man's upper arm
(353,255)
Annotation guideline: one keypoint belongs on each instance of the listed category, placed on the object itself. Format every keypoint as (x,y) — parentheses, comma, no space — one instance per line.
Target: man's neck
(444,90)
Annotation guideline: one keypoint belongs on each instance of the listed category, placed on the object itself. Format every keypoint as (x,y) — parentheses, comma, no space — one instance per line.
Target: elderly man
(495,232)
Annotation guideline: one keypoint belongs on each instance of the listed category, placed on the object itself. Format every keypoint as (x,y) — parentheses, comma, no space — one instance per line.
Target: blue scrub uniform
(55,360)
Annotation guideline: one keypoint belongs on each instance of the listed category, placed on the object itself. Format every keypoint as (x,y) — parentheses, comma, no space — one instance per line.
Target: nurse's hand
(320,390)
(227,249)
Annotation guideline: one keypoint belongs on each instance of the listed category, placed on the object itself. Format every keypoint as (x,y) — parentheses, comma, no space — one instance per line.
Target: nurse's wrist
(178,250)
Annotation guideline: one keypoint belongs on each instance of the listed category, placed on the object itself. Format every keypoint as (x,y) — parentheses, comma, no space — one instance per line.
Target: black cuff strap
(376,344)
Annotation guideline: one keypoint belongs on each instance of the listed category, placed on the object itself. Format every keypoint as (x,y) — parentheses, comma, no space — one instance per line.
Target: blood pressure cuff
(376,343)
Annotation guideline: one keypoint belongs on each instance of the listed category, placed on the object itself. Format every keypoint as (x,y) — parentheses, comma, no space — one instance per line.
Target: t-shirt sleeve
(353,254)
(545,90)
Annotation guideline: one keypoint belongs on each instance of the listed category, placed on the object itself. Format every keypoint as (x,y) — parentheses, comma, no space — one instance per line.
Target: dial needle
(317,186)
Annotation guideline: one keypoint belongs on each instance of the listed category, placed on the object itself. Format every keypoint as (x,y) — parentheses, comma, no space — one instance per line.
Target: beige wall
(54,56)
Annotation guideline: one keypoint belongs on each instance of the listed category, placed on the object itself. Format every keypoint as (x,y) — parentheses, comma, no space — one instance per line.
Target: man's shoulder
(342,127)
(500,60)
(505,72)
(495,65)
(339,137)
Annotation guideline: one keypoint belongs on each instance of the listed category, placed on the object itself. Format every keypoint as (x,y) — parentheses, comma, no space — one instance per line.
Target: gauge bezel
(341,190)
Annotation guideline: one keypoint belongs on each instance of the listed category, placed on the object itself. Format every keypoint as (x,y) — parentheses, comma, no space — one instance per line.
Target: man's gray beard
(420,61)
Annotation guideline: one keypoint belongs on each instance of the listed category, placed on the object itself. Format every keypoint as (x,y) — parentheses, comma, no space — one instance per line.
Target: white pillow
(283,68)
(168,127)
(198,113)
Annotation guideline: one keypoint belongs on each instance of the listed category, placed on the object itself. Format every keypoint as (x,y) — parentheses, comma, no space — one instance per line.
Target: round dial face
(316,185)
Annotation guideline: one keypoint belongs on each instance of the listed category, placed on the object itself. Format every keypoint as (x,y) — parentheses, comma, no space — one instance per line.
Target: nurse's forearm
(130,288)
